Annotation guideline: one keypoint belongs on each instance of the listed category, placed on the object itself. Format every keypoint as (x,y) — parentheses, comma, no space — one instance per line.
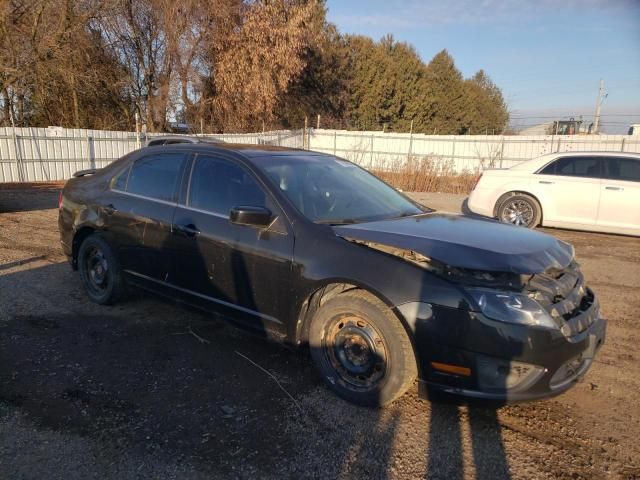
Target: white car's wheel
(521,210)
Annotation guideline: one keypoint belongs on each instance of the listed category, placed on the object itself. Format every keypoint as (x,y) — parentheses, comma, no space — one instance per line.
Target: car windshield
(335,191)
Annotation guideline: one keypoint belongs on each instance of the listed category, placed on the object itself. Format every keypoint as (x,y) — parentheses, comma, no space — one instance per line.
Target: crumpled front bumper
(498,361)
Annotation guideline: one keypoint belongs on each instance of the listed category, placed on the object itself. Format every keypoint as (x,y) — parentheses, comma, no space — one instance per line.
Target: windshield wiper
(409,214)
(406,214)
(343,221)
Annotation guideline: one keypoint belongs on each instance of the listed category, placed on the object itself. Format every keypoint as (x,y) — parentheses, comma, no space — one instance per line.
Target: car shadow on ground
(161,382)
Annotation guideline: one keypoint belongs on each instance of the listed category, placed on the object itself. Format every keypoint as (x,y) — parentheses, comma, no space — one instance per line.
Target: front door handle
(546,182)
(189,230)
(619,189)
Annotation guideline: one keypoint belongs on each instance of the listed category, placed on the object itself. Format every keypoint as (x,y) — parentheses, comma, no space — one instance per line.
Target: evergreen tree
(487,111)
(386,80)
(322,87)
(447,96)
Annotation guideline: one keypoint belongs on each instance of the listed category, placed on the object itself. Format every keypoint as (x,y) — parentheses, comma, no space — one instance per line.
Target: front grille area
(566,298)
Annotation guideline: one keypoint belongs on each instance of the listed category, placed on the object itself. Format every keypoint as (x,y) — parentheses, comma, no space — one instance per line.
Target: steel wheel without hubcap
(97,268)
(356,351)
(518,212)
(361,349)
(100,271)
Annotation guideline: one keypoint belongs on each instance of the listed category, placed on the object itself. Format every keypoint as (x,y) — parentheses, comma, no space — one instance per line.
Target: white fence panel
(47,154)
(463,152)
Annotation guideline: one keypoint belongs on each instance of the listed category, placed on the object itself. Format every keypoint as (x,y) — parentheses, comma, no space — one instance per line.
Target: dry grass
(423,174)
(32,186)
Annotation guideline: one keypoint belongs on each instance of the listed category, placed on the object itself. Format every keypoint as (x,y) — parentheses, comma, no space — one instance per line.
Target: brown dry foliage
(264,56)
(94,63)
(52,69)
(223,66)
(424,174)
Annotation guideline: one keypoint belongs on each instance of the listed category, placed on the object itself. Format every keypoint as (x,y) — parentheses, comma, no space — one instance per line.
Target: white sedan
(596,191)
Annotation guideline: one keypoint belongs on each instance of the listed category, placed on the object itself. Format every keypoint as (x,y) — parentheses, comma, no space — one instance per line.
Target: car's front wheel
(521,210)
(361,350)
(100,271)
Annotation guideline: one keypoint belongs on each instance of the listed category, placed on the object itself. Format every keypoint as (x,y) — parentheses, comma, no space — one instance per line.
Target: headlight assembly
(511,307)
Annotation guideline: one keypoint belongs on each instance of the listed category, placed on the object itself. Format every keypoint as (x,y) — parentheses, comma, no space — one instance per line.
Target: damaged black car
(312,250)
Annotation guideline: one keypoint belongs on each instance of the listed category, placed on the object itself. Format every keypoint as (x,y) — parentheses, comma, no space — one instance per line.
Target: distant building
(542,129)
(559,127)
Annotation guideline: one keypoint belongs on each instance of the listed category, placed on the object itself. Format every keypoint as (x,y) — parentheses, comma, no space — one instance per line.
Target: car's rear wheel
(361,350)
(521,210)
(100,271)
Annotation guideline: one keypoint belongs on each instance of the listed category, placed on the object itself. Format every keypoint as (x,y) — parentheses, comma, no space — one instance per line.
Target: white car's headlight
(511,307)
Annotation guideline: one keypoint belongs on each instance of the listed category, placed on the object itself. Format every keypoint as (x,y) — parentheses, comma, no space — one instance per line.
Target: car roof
(182,139)
(250,151)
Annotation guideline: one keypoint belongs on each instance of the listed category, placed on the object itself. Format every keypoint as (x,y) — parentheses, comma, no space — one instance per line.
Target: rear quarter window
(120,182)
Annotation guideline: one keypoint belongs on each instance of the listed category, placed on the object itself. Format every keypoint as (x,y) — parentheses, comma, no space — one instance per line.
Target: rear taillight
(477,181)
(60,200)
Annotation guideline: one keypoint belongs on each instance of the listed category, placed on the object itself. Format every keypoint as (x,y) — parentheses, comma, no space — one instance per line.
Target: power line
(574,115)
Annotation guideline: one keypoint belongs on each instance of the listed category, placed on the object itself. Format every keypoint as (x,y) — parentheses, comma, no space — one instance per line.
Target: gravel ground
(128,392)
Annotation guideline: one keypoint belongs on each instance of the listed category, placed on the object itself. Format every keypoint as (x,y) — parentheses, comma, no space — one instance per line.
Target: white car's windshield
(335,191)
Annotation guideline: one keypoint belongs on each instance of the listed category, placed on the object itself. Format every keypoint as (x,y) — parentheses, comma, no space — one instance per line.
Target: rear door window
(219,185)
(588,167)
(622,168)
(156,176)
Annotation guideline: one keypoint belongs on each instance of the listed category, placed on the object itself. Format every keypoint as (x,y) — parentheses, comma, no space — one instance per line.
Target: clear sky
(547,55)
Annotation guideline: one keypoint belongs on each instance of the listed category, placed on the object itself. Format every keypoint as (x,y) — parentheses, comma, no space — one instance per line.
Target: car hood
(466,242)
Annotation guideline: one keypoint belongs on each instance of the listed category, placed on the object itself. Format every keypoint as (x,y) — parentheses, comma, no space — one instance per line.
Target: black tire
(520,209)
(100,271)
(374,375)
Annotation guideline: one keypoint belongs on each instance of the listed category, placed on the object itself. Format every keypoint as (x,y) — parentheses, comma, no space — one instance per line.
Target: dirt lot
(126,392)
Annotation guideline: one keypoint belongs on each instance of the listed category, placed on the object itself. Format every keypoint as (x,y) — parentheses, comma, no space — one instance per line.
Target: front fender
(394,280)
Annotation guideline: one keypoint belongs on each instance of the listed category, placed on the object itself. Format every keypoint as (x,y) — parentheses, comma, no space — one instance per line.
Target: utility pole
(137,115)
(305,145)
(410,141)
(601,97)
(318,124)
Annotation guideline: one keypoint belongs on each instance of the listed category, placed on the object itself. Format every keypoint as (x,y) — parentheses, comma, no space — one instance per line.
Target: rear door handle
(619,189)
(189,230)
(546,182)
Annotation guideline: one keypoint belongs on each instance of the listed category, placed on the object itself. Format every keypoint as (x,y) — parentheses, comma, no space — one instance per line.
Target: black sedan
(310,249)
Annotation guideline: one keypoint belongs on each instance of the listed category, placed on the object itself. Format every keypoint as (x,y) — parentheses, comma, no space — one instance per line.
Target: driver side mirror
(251,216)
